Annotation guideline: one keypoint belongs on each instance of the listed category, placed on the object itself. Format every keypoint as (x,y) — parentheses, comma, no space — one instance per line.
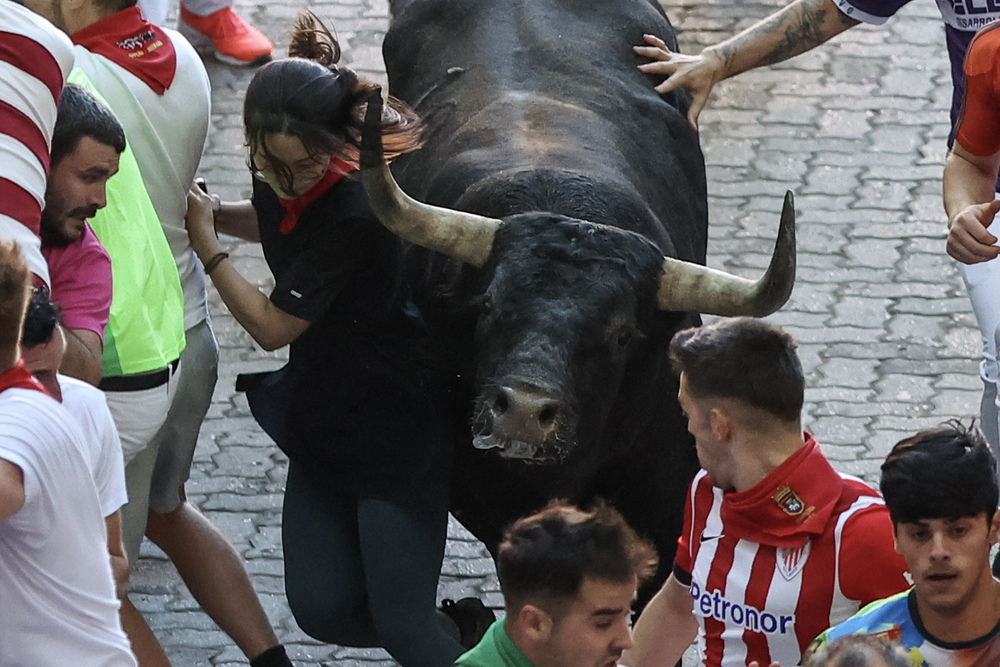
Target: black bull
(552,331)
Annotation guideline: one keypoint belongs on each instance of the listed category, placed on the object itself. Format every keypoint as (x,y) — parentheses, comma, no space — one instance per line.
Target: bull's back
(513,88)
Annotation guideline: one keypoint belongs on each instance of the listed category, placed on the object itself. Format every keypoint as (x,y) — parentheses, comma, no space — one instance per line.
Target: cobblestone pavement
(856,129)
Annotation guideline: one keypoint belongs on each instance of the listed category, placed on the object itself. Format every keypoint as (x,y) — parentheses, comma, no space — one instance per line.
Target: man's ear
(535,623)
(995,527)
(721,423)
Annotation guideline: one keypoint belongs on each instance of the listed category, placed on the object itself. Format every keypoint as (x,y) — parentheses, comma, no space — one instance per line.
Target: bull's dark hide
(537,114)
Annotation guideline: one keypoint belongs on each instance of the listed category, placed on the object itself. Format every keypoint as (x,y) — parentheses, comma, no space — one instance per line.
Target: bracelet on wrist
(211,264)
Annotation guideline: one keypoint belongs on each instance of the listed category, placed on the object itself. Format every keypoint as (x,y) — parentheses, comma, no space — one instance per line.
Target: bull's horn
(695,288)
(463,236)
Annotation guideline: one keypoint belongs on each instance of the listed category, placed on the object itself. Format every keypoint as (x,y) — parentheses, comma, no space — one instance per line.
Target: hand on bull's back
(696,74)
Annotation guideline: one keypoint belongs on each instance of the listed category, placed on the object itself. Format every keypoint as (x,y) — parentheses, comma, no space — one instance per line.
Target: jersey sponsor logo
(973,7)
(973,22)
(137,41)
(969,15)
(790,561)
(713,605)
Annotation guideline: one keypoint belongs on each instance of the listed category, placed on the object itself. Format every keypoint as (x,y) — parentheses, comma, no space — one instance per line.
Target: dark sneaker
(471,616)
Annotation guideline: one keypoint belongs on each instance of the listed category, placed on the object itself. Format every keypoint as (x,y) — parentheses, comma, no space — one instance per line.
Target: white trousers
(140,414)
(983,283)
(156,11)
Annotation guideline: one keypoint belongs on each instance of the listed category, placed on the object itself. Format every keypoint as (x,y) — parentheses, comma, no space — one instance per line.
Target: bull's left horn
(699,289)
(463,236)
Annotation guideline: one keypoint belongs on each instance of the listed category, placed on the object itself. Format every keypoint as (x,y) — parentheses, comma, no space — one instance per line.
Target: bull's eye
(623,339)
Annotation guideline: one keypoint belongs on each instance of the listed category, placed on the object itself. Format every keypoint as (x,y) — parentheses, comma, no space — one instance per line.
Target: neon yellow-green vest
(146,328)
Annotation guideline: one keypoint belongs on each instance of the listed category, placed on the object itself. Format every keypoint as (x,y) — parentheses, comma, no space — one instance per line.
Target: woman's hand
(200,223)
(697,74)
(969,240)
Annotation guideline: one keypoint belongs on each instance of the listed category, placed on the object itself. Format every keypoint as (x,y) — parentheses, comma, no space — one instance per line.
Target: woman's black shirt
(363,398)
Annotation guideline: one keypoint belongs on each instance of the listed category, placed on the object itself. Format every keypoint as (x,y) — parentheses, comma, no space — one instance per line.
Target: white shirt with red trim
(56,587)
(772,567)
(35,59)
(167,134)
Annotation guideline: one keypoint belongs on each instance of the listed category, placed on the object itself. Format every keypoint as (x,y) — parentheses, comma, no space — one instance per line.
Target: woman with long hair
(355,409)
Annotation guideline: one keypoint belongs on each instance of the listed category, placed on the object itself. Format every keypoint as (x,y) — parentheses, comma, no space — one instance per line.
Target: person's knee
(330,618)
(398,631)
(160,525)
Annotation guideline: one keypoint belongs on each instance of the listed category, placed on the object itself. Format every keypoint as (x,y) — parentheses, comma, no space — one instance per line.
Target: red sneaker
(232,40)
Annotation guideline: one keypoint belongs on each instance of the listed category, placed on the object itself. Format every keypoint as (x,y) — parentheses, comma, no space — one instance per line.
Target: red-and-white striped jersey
(35,59)
(759,602)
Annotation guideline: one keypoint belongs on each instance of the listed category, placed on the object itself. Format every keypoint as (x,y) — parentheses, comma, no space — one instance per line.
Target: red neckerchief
(788,506)
(18,377)
(132,42)
(294,207)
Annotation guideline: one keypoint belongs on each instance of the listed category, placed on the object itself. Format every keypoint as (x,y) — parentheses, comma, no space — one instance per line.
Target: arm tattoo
(800,27)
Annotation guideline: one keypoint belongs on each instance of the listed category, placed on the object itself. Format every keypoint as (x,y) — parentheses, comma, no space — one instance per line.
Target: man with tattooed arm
(805,24)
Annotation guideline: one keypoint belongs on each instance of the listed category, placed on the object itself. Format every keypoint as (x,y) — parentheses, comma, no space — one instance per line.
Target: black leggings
(364,572)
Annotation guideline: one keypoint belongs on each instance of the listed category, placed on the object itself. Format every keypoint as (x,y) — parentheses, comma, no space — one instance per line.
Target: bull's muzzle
(521,421)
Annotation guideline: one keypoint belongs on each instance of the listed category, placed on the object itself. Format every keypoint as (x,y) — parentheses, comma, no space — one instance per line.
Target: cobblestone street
(856,129)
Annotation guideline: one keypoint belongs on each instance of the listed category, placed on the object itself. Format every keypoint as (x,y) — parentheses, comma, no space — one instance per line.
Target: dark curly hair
(42,318)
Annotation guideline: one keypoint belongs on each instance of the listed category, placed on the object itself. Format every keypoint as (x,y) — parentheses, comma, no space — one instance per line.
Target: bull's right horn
(466,237)
(691,287)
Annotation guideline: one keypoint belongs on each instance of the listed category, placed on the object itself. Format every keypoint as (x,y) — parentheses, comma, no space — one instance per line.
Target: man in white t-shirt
(43,345)
(55,574)
(156,84)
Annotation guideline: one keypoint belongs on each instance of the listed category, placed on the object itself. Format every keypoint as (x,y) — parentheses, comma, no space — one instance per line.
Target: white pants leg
(138,416)
(983,283)
(206,7)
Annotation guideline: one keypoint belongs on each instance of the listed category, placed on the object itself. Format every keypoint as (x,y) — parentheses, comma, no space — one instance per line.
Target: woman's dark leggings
(364,572)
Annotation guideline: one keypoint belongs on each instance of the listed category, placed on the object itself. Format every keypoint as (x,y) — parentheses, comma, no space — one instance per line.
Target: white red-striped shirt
(766,603)
(35,59)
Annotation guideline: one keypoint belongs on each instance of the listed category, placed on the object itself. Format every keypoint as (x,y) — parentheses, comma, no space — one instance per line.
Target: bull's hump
(539,130)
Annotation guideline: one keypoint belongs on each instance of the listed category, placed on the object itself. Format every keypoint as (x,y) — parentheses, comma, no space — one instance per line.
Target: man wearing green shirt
(569,578)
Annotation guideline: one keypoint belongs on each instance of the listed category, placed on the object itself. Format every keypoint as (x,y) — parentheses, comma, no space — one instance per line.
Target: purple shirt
(962,18)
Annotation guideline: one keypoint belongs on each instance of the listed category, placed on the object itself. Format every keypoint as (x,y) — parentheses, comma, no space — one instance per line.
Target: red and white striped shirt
(35,59)
(772,567)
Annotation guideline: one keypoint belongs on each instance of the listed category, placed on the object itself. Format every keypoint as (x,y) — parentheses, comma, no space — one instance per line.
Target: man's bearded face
(75,191)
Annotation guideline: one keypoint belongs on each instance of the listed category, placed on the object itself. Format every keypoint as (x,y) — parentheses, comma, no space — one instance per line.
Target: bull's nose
(530,415)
